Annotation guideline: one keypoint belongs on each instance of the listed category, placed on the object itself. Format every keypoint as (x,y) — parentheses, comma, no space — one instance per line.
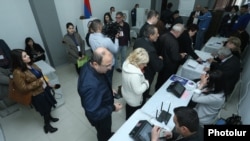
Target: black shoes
(119,70)
(49,128)
(53,119)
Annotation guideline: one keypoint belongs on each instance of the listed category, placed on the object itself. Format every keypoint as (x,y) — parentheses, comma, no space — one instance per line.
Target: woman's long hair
(215,83)
(17,59)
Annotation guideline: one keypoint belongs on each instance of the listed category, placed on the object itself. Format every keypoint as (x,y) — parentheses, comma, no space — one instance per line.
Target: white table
(46,68)
(165,97)
(213,44)
(148,111)
(203,55)
(123,132)
(191,69)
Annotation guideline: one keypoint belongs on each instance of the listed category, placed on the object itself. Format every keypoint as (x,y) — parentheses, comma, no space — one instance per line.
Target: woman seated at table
(34,50)
(209,96)
(134,83)
(233,43)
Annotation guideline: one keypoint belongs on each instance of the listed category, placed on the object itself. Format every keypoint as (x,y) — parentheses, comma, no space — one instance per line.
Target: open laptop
(141,131)
(176,88)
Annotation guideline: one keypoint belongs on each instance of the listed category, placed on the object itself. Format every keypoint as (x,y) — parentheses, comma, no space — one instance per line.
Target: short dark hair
(192,27)
(169,5)
(120,13)
(176,12)
(95,24)
(187,117)
(149,30)
(111,7)
(152,13)
(235,7)
(69,24)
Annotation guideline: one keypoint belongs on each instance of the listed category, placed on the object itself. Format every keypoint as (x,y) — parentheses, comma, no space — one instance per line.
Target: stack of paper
(193,64)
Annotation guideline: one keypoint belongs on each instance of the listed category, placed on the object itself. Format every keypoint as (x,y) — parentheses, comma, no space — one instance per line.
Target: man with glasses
(96,92)
(97,39)
(124,38)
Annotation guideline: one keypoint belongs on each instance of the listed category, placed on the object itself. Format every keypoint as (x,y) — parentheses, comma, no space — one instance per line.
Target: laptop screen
(142,131)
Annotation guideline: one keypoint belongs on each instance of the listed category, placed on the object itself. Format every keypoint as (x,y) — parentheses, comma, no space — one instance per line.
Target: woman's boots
(47,127)
(53,119)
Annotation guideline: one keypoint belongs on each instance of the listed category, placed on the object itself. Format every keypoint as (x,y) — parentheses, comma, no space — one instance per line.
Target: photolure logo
(235,132)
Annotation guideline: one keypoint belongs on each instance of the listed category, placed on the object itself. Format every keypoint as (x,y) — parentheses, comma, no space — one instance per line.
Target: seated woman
(34,50)
(134,83)
(209,96)
(234,43)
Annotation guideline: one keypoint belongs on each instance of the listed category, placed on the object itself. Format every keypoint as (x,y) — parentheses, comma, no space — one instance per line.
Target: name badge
(78,48)
(1,57)
(121,34)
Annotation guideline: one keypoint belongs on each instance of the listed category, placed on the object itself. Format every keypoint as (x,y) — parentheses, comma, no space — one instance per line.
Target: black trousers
(103,128)
(130,110)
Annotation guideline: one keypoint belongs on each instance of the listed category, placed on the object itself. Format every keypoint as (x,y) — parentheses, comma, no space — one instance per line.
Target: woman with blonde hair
(134,83)
(234,43)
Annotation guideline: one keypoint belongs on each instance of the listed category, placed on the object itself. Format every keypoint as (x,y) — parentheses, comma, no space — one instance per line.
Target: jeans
(122,51)
(199,39)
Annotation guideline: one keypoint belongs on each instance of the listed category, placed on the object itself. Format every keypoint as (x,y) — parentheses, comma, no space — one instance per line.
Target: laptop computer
(141,131)
(176,88)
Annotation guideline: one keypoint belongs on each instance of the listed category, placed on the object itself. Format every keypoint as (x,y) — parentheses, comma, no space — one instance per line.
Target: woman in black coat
(34,50)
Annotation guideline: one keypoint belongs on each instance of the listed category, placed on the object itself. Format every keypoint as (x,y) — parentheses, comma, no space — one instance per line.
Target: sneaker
(118,70)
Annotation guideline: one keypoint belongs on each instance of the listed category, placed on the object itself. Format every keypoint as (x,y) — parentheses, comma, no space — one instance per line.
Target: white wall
(17,23)
(70,10)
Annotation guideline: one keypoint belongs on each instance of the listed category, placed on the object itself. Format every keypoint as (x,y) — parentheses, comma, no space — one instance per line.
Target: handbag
(19,97)
(81,62)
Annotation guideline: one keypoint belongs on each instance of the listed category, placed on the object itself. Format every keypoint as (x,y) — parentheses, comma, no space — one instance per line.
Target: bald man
(96,92)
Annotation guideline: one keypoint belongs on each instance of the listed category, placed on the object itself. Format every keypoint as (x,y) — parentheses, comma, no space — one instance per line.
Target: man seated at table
(229,64)
(187,126)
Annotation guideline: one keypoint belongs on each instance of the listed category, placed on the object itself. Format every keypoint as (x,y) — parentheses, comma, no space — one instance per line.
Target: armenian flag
(87,9)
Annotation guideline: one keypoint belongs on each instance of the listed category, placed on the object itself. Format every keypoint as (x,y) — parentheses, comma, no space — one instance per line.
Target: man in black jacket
(155,62)
(170,53)
(152,19)
(230,67)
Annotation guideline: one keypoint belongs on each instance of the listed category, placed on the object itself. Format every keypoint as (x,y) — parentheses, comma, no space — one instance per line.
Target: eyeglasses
(118,17)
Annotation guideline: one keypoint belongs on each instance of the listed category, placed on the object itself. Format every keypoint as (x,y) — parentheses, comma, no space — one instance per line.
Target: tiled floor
(27,125)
